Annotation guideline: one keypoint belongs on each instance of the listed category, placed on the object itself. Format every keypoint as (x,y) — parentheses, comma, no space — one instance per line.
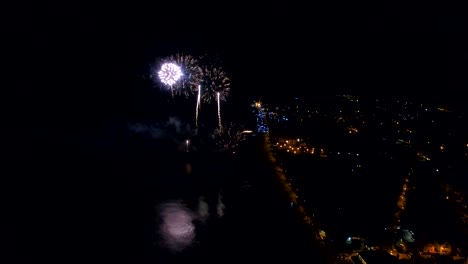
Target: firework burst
(217,86)
(215,81)
(192,73)
(230,136)
(169,74)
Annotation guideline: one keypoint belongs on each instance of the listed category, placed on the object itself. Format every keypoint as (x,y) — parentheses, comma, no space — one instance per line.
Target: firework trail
(219,111)
(198,105)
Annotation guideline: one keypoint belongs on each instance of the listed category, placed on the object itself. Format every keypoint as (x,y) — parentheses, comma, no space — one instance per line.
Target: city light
(293,152)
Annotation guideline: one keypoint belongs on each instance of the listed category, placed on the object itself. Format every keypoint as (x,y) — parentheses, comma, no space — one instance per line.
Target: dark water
(135,200)
(257,223)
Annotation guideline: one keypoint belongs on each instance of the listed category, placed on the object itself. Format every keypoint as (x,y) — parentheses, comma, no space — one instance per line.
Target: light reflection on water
(220,206)
(177,226)
(203,209)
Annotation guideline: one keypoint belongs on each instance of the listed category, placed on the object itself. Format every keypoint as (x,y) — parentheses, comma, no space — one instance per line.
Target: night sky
(72,67)
(91,60)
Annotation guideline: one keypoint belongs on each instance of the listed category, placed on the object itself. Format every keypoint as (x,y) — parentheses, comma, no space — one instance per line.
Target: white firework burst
(170,73)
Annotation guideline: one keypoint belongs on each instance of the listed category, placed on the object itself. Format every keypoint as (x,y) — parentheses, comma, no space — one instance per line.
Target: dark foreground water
(83,200)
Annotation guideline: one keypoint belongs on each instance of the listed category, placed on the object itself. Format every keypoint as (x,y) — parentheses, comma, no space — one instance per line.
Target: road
(294,197)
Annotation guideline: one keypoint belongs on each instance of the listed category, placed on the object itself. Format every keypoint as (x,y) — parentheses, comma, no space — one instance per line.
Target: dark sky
(67,55)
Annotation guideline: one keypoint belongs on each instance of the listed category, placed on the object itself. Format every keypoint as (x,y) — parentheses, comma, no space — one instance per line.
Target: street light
(187,142)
